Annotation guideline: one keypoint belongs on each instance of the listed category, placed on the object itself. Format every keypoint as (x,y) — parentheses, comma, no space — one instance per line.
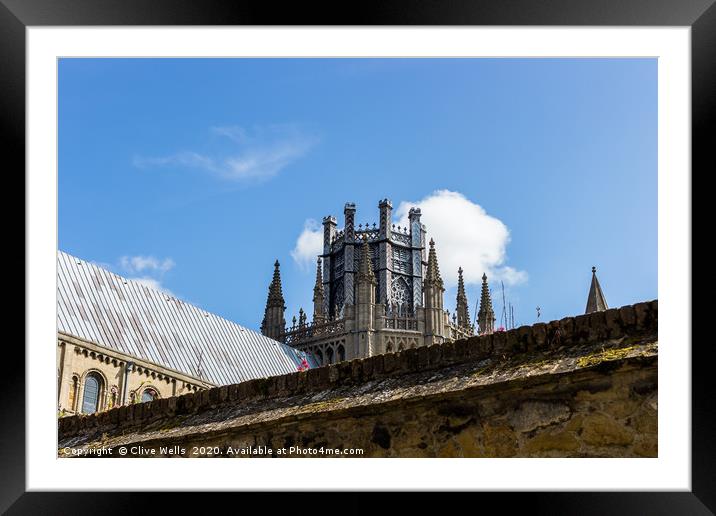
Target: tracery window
(400,296)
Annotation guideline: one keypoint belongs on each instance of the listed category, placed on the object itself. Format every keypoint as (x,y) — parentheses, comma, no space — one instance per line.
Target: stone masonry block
(389,362)
(566,331)
(642,312)
(539,337)
(423,357)
(434,354)
(628,317)
(368,364)
(448,352)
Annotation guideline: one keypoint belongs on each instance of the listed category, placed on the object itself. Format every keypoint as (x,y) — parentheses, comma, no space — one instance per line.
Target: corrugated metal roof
(100,306)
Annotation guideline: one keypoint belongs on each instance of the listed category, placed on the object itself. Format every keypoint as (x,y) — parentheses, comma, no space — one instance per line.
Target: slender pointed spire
(432,276)
(365,269)
(486,315)
(275,296)
(273,324)
(596,302)
(463,313)
(318,295)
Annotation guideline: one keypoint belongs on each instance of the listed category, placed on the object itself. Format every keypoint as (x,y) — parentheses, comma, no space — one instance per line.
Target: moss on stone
(604,356)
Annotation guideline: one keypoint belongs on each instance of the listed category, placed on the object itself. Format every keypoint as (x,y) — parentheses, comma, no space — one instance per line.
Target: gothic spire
(463,314)
(486,315)
(365,269)
(275,296)
(273,324)
(318,294)
(432,275)
(318,287)
(595,300)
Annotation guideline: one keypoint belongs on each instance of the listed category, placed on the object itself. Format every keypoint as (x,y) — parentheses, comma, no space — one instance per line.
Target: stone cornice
(123,357)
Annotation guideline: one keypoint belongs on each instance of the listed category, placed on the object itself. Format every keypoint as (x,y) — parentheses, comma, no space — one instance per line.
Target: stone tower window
(400,296)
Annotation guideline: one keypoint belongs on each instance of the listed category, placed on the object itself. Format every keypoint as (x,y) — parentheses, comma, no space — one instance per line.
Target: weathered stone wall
(580,387)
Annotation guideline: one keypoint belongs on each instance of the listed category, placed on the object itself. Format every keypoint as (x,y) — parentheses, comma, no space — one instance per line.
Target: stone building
(378,290)
(121,342)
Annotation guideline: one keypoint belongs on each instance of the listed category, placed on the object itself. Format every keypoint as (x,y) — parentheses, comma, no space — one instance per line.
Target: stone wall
(583,386)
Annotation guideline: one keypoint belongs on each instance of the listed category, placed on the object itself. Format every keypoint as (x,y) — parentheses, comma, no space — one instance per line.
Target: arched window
(329,355)
(73,392)
(149,394)
(400,296)
(319,356)
(341,353)
(91,397)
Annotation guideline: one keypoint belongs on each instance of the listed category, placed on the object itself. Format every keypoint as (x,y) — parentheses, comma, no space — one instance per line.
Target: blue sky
(196,174)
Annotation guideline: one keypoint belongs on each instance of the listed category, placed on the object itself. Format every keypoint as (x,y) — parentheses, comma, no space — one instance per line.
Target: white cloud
(137,264)
(465,236)
(152,283)
(308,245)
(147,271)
(257,155)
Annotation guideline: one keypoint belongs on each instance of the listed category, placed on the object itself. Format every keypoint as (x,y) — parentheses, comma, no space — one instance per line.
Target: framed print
(429,241)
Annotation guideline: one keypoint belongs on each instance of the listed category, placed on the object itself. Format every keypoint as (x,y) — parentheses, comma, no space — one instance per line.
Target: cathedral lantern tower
(377,290)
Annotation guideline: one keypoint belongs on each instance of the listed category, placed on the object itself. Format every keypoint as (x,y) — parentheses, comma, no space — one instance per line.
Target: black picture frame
(700,15)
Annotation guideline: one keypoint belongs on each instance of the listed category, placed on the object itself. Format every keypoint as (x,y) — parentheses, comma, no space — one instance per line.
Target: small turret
(433,290)
(386,214)
(596,302)
(463,313)
(432,275)
(318,296)
(365,302)
(273,324)
(486,315)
